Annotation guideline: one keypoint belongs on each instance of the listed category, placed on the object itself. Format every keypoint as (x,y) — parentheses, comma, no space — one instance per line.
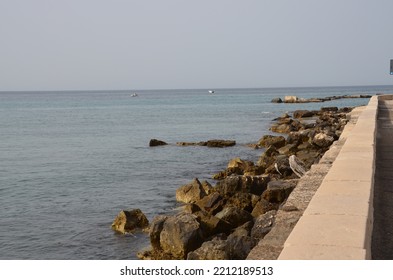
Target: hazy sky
(146,44)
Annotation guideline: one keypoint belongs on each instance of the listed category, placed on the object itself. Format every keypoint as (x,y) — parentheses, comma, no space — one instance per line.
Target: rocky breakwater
(227,220)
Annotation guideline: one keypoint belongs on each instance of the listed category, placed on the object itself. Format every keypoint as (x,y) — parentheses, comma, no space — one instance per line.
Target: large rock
(263,224)
(303,114)
(211,225)
(220,143)
(212,203)
(277,100)
(234,216)
(190,193)
(130,220)
(271,140)
(278,191)
(155,142)
(263,206)
(215,249)
(155,231)
(180,235)
(239,246)
(323,140)
(290,99)
(248,184)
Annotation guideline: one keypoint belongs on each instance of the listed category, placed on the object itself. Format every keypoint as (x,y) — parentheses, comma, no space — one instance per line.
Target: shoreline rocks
(227,220)
(295,99)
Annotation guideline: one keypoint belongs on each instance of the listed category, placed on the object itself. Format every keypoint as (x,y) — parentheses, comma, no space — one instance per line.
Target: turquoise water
(70,161)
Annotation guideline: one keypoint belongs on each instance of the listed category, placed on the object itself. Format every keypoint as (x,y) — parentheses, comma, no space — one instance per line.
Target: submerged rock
(155,142)
(130,220)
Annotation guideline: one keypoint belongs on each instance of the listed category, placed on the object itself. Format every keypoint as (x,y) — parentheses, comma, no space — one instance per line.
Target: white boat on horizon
(211,91)
(134,95)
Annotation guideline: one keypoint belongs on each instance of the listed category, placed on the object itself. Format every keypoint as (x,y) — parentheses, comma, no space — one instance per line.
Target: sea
(70,161)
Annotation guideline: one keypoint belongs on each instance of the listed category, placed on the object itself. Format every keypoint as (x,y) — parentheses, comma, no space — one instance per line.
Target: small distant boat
(211,91)
(134,95)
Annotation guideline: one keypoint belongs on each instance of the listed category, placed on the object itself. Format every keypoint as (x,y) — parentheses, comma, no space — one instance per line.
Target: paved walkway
(382,241)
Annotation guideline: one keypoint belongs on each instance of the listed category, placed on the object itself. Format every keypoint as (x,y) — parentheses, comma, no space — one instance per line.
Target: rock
(278,191)
(329,109)
(130,220)
(247,184)
(271,140)
(290,99)
(155,142)
(263,206)
(297,166)
(207,187)
(323,140)
(277,100)
(234,216)
(191,143)
(220,143)
(282,128)
(288,149)
(239,163)
(241,201)
(268,157)
(239,246)
(263,224)
(216,249)
(211,225)
(212,203)
(303,114)
(190,193)
(180,235)
(155,230)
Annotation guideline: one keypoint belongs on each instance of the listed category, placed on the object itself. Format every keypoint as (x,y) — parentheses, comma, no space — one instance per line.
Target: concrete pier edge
(335,221)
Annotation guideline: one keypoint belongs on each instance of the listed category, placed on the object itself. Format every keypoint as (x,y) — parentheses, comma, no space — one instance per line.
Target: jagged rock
(220,143)
(277,100)
(211,225)
(323,140)
(288,149)
(129,220)
(271,140)
(297,166)
(180,235)
(191,143)
(263,206)
(239,163)
(155,230)
(263,224)
(190,193)
(155,142)
(303,114)
(241,201)
(239,246)
(212,203)
(215,249)
(234,216)
(278,191)
(248,184)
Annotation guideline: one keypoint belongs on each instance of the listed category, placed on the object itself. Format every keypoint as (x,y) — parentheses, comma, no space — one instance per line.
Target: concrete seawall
(334,219)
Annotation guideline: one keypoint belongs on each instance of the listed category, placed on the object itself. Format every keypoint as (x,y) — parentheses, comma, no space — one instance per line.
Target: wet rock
(220,143)
(190,193)
(130,220)
(276,100)
(155,142)
(155,230)
(180,235)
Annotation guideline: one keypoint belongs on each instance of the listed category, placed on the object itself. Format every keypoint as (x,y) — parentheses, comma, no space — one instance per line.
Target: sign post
(391,67)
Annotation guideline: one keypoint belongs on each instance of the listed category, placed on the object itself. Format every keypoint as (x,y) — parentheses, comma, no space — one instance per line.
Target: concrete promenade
(351,214)
(348,212)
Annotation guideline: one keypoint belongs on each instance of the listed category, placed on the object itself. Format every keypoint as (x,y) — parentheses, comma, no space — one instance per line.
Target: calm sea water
(70,161)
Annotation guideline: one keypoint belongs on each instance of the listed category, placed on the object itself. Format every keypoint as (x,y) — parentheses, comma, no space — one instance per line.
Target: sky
(146,44)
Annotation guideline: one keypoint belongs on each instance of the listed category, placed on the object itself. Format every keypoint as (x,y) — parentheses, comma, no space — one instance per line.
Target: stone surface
(155,142)
(130,220)
(191,192)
